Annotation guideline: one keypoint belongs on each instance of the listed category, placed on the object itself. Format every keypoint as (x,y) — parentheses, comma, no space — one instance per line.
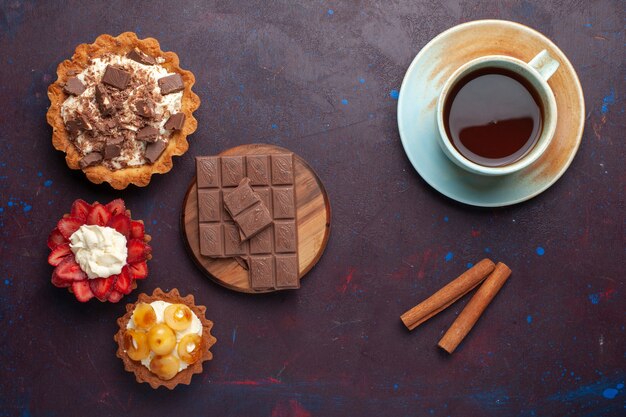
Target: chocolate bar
(272,253)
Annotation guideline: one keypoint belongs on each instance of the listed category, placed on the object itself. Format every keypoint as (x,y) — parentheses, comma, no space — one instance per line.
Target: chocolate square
(74,86)
(90,159)
(262,242)
(78,123)
(171,84)
(208,171)
(138,56)
(283,203)
(285,239)
(154,150)
(113,147)
(210,239)
(287,271)
(282,169)
(240,198)
(209,205)
(253,220)
(116,77)
(232,243)
(261,272)
(258,169)
(147,134)
(175,122)
(232,170)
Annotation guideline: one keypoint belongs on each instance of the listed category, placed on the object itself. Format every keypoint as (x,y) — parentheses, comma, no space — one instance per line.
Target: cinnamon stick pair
(494,277)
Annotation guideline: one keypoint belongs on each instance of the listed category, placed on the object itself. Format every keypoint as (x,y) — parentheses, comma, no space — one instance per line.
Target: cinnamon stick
(472,311)
(448,294)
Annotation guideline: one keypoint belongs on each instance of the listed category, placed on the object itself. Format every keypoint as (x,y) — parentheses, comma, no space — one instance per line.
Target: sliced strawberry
(69,225)
(69,270)
(98,215)
(137,251)
(80,209)
(59,253)
(116,206)
(115,296)
(82,291)
(137,230)
(121,223)
(55,239)
(124,281)
(101,287)
(139,270)
(58,282)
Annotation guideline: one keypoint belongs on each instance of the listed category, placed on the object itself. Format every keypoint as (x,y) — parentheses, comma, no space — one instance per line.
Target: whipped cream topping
(144,83)
(99,251)
(195,327)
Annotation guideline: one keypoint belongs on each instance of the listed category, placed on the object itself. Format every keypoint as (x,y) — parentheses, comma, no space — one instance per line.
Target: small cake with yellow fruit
(164,338)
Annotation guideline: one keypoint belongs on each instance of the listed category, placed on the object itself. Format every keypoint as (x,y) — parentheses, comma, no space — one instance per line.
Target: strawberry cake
(99,251)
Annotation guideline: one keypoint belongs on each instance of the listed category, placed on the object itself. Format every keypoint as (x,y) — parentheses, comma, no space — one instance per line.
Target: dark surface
(321,78)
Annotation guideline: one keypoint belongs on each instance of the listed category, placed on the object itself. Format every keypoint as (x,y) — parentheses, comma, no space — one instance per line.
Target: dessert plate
(417,105)
(313,223)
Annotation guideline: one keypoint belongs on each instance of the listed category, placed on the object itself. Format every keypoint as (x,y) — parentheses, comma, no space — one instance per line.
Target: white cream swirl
(100,251)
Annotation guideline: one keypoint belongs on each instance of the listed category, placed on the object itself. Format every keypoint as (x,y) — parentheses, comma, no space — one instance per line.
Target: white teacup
(536,73)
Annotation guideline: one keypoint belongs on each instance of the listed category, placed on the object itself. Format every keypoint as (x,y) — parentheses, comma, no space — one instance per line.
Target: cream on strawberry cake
(98,251)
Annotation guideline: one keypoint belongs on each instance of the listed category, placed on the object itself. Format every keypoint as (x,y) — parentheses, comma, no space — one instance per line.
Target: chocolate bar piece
(144,108)
(171,84)
(116,77)
(138,56)
(74,86)
(154,150)
(175,122)
(113,147)
(105,104)
(265,180)
(90,159)
(148,134)
(247,210)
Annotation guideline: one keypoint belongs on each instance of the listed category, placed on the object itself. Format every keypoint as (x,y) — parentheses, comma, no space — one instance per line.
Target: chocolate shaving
(145,108)
(105,104)
(154,150)
(148,134)
(116,77)
(90,159)
(138,56)
(175,122)
(113,147)
(74,86)
(171,84)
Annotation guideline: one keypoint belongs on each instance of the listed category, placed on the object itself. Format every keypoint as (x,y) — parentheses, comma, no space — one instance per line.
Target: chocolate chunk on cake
(136,55)
(171,84)
(74,86)
(175,122)
(116,77)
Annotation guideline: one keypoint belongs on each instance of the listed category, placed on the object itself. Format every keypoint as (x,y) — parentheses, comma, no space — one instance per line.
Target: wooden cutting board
(313,222)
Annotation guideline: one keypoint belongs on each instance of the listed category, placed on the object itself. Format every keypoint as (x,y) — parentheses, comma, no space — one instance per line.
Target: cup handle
(544,64)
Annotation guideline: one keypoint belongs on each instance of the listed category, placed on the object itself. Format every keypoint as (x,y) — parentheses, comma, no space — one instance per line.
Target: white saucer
(424,81)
